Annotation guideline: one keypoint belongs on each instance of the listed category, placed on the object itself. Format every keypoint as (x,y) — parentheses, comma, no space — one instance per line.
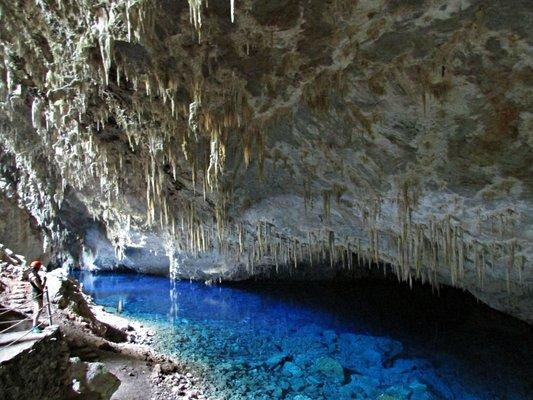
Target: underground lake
(368,339)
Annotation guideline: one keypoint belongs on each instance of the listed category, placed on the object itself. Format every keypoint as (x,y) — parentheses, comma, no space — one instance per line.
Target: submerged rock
(360,352)
(277,360)
(301,397)
(291,369)
(365,384)
(331,368)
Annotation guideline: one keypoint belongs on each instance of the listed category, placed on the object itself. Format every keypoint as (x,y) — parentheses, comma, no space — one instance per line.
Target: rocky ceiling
(225,139)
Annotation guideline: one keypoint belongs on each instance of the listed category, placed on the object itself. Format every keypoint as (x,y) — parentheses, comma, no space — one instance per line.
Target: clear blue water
(363,340)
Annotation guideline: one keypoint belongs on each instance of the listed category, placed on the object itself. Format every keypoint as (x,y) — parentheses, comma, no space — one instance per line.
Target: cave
(281,199)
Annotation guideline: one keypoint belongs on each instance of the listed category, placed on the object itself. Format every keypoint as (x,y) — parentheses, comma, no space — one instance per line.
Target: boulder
(93,380)
(291,369)
(100,380)
(331,368)
(277,360)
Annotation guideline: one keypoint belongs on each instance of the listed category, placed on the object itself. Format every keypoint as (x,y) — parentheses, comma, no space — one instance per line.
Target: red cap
(36,264)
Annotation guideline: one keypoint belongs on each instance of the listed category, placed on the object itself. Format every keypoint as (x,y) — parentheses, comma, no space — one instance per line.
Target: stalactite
(510,264)
(520,269)
(331,247)
(241,239)
(326,197)
(310,248)
(276,262)
(375,243)
(36,113)
(195,8)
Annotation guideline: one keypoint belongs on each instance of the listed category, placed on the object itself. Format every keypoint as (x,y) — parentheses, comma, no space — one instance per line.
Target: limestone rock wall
(40,372)
(18,230)
(213,142)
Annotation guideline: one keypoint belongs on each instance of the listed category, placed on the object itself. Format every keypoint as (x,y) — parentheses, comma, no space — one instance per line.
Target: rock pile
(311,363)
(170,384)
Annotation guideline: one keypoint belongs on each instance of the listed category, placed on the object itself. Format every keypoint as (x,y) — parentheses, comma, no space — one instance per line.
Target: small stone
(301,397)
(156,371)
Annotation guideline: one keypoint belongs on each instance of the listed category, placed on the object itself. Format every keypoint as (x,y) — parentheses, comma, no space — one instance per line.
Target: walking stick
(48,306)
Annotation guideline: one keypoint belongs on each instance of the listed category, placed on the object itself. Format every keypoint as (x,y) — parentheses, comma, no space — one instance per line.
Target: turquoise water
(365,340)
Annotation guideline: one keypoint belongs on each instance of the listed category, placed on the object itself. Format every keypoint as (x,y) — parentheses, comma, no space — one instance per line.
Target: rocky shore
(110,357)
(124,347)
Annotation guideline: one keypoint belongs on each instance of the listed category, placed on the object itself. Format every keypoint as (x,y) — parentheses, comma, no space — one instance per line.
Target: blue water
(366,340)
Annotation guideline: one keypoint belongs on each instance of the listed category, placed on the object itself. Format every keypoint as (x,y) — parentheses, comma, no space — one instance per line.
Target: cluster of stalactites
(426,252)
(68,127)
(195,8)
(63,112)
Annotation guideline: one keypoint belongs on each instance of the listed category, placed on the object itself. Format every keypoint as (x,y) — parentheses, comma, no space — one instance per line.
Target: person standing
(38,285)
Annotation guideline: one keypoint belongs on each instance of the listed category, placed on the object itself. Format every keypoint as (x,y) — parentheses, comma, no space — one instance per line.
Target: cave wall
(163,136)
(18,231)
